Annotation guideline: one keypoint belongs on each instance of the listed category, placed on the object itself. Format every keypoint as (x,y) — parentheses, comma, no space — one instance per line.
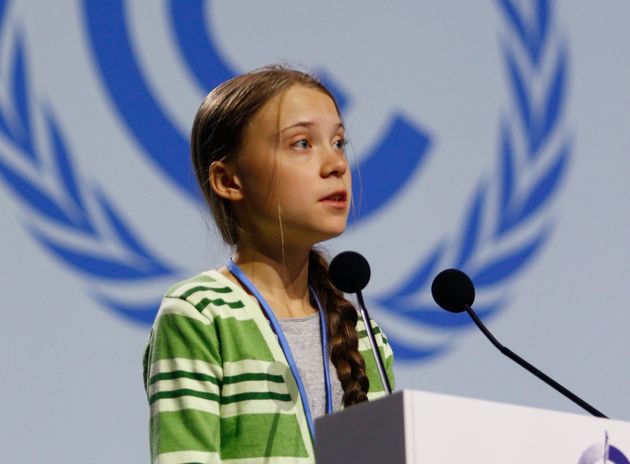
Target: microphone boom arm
(538,373)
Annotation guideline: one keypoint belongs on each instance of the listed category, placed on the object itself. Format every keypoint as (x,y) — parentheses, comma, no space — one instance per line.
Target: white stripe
(254,386)
(179,457)
(364,342)
(250,366)
(182,308)
(184,402)
(188,365)
(375,395)
(258,407)
(229,297)
(361,325)
(211,311)
(223,311)
(388,351)
(196,281)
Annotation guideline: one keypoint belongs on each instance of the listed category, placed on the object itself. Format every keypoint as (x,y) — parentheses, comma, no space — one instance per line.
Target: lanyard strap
(236,271)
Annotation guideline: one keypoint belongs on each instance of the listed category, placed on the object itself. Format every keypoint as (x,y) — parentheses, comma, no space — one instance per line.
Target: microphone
(350,272)
(454,291)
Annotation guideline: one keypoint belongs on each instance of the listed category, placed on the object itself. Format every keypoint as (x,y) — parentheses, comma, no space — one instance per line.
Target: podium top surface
(421,427)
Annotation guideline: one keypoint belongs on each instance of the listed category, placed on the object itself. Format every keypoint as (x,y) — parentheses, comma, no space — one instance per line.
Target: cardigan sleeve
(182,375)
(388,359)
(377,389)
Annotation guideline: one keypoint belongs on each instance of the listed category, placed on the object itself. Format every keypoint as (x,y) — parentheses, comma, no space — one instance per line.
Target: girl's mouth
(337,199)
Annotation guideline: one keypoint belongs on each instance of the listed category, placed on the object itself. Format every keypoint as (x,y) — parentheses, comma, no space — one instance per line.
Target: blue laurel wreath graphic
(70,212)
(516,207)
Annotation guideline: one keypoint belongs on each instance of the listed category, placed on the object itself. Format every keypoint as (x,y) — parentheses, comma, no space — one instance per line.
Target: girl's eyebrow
(308,124)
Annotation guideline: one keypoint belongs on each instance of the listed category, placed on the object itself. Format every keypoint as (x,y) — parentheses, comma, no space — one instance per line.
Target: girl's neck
(281,278)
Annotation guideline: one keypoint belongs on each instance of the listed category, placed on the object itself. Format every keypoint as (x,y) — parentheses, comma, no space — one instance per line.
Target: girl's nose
(335,164)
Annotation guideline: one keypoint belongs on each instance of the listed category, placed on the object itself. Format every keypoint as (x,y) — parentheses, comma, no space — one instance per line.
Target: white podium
(411,427)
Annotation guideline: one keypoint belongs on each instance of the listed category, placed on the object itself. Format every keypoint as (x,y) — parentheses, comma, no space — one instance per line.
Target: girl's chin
(306,237)
(333,233)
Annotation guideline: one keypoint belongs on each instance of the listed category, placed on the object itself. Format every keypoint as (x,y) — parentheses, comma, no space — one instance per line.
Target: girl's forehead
(299,103)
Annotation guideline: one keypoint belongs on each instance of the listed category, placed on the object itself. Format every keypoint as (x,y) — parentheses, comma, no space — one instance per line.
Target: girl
(242,359)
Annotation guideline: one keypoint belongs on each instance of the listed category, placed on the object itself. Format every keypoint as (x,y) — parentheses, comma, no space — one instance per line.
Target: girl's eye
(341,144)
(302,144)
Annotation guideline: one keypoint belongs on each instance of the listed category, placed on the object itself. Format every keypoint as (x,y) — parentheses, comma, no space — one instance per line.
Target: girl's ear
(224,181)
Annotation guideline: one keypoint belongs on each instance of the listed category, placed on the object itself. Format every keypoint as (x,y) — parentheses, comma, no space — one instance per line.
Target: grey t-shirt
(304,337)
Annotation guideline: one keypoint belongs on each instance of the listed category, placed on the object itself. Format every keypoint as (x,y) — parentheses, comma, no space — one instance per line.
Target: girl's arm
(182,372)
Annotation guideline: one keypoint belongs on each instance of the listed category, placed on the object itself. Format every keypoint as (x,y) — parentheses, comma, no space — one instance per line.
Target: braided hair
(341,318)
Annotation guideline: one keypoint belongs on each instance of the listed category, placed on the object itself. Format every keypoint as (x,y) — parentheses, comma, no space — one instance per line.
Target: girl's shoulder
(207,279)
(206,293)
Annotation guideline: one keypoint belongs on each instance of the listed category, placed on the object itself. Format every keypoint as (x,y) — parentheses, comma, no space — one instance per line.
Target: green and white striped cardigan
(218,384)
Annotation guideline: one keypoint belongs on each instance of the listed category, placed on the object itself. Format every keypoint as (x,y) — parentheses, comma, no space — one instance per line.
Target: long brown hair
(217,134)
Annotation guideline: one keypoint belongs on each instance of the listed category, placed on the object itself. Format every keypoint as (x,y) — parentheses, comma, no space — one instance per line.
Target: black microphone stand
(377,354)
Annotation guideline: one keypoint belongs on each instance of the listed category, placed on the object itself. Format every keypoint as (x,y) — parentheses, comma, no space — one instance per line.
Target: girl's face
(293,171)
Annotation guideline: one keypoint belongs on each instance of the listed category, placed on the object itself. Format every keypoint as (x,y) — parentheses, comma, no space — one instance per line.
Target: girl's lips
(336,196)
(336,199)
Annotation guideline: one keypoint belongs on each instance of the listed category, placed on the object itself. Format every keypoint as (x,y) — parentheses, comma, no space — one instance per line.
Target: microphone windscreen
(453,290)
(349,272)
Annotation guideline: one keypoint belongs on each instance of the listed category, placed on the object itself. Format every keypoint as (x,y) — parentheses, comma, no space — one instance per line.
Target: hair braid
(342,335)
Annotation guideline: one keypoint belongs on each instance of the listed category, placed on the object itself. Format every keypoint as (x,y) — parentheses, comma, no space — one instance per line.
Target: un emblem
(603,453)
(502,228)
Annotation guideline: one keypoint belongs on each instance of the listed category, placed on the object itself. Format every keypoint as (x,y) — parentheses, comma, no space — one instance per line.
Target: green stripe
(372,371)
(183,392)
(209,378)
(183,375)
(218,302)
(178,336)
(255,396)
(222,289)
(258,435)
(253,376)
(203,288)
(363,333)
(242,339)
(185,430)
(170,394)
(377,330)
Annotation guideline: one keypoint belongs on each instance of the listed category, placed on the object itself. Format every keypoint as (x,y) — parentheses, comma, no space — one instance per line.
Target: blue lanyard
(236,271)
